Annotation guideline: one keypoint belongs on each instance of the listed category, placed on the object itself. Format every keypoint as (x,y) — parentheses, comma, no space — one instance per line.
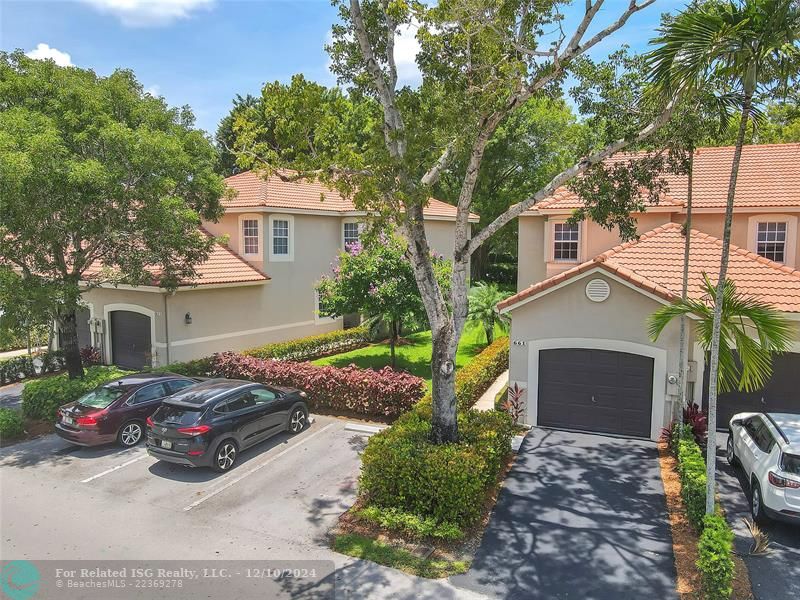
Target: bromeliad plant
(514,405)
(749,328)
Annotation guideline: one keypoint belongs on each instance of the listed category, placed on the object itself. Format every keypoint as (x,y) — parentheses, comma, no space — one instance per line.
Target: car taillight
(89,420)
(196,430)
(150,422)
(783,482)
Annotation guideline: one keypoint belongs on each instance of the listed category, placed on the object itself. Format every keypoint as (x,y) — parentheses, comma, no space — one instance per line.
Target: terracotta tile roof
(769,177)
(223,266)
(253,191)
(654,263)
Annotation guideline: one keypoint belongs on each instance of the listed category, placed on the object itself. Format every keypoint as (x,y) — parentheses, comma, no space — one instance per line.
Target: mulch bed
(33,428)
(684,537)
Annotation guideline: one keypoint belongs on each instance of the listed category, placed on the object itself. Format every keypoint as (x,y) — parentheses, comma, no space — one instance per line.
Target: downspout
(166,325)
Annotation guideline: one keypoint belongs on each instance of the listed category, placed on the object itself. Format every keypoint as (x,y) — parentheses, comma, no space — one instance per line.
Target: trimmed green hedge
(11,423)
(715,550)
(314,346)
(200,367)
(715,547)
(23,367)
(692,471)
(42,397)
(474,378)
(401,469)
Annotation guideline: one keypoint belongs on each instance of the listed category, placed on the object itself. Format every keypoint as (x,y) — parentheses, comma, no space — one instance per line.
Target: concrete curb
(516,442)
(368,429)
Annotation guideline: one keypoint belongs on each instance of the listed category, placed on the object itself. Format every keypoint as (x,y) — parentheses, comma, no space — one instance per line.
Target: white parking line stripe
(254,469)
(112,469)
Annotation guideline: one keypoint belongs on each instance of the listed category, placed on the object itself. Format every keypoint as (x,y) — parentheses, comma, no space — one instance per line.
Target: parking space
(772,575)
(83,502)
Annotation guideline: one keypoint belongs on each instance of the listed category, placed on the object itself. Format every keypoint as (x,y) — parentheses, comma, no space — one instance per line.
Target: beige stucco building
(282,237)
(580,344)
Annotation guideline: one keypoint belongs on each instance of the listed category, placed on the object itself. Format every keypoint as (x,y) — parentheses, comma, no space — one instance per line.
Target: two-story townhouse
(580,344)
(282,236)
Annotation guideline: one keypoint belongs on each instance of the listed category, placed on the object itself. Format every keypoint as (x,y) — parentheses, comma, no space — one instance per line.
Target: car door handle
(762,400)
(593,400)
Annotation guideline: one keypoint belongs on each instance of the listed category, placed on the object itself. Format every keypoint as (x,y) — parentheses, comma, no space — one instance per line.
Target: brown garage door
(595,390)
(779,395)
(130,339)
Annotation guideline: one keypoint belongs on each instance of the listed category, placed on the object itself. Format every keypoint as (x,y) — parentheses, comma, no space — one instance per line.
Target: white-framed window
(774,237)
(281,243)
(250,236)
(351,233)
(771,240)
(566,242)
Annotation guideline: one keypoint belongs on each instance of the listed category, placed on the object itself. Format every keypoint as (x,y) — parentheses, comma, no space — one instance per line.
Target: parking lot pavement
(775,575)
(65,502)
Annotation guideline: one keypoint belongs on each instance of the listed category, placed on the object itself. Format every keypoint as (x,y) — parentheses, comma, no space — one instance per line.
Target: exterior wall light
(187,318)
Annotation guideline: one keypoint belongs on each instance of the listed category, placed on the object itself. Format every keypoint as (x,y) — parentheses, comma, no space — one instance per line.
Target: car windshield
(102,396)
(791,463)
(176,415)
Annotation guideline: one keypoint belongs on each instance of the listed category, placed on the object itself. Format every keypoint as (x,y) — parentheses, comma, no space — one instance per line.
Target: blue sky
(204,52)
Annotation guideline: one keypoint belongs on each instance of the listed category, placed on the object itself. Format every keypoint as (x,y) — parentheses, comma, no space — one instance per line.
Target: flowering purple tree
(377,280)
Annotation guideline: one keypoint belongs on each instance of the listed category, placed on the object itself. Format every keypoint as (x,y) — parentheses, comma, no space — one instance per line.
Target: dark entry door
(781,394)
(130,339)
(595,390)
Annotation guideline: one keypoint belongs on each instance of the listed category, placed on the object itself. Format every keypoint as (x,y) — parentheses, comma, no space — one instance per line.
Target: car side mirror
(737,422)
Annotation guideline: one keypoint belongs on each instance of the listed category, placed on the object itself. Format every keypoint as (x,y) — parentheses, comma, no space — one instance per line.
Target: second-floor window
(352,233)
(250,236)
(771,241)
(280,237)
(565,241)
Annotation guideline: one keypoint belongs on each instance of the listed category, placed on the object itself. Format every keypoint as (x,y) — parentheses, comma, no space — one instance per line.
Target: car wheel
(757,504)
(730,452)
(225,456)
(298,420)
(130,434)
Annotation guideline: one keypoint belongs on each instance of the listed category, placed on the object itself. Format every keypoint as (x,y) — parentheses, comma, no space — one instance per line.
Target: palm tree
(753,329)
(483,299)
(749,48)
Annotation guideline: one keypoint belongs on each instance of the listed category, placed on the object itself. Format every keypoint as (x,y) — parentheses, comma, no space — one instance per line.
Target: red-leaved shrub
(384,393)
(697,418)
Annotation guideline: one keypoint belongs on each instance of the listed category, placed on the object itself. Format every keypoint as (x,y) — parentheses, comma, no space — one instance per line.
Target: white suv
(767,445)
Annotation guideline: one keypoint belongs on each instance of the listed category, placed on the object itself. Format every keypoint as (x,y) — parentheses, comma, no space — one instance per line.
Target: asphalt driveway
(777,573)
(580,516)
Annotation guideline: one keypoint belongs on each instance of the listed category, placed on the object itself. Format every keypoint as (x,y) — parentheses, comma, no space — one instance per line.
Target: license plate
(69,420)
(166,444)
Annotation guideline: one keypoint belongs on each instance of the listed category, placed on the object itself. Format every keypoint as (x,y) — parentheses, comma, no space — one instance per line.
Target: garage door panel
(130,339)
(780,394)
(595,390)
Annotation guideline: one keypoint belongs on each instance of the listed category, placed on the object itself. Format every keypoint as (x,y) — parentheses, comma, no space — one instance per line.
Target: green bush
(200,367)
(314,346)
(411,525)
(11,423)
(42,397)
(692,471)
(447,483)
(473,379)
(715,561)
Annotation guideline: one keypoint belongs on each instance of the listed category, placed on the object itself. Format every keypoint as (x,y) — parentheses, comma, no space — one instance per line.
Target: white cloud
(149,13)
(44,51)
(153,90)
(406,48)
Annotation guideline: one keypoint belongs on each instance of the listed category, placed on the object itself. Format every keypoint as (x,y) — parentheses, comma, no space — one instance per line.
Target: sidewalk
(486,401)
(20,352)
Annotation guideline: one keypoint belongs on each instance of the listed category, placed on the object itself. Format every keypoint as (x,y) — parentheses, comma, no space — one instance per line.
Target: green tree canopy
(95,172)
(377,280)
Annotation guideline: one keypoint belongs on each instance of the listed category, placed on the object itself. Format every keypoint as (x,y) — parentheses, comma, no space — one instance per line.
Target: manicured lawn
(414,357)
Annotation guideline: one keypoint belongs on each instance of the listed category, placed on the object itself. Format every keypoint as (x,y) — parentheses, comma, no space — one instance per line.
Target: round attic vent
(597,290)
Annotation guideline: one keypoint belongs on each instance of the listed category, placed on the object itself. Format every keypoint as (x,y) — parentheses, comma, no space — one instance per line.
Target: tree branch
(565,175)
(433,174)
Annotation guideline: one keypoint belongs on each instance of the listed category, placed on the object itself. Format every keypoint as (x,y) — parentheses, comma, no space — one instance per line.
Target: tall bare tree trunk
(684,353)
(713,372)
(68,324)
